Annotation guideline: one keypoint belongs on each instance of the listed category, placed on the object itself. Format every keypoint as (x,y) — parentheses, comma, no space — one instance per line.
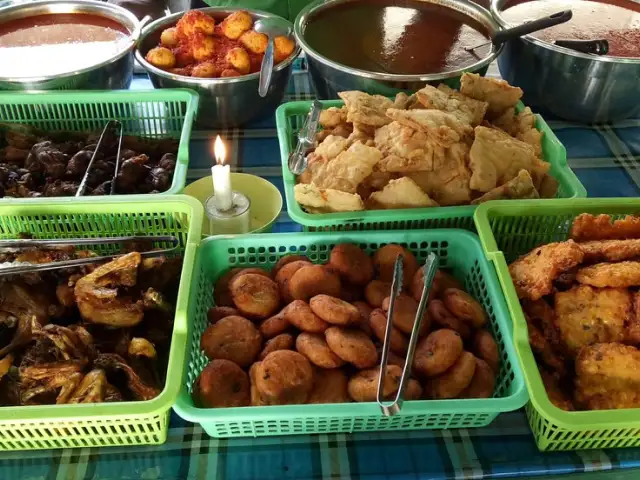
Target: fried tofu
(401,193)
(519,187)
(533,274)
(331,147)
(318,200)
(405,149)
(497,93)
(621,274)
(346,171)
(587,315)
(465,109)
(366,109)
(332,117)
(441,127)
(608,377)
(603,227)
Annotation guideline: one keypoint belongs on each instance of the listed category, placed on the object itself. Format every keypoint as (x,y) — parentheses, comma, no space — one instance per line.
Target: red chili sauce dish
(54,44)
(617,22)
(400,37)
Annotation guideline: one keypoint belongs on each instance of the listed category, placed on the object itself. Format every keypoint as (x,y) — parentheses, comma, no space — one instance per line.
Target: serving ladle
(272,28)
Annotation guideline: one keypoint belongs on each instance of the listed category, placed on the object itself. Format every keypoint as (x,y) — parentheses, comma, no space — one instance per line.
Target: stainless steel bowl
(329,77)
(224,102)
(572,85)
(112,74)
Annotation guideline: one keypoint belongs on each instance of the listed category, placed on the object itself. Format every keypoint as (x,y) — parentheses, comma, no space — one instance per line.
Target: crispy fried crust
(622,274)
(610,250)
(590,227)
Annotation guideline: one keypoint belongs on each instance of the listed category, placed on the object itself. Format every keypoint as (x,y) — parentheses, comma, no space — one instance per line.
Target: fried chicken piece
(331,147)
(497,93)
(404,148)
(586,315)
(464,108)
(495,158)
(401,193)
(520,186)
(622,274)
(555,392)
(610,250)
(533,274)
(441,127)
(603,227)
(318,200)
(366,109)
(332,117)
(608,377)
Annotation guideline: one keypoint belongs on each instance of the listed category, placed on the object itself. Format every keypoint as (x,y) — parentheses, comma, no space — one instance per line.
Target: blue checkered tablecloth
(605,159)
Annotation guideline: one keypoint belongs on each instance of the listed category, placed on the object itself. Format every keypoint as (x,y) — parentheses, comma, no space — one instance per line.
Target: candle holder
(234,220)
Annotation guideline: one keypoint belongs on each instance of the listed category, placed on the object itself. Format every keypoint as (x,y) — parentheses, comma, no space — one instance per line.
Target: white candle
(221,175)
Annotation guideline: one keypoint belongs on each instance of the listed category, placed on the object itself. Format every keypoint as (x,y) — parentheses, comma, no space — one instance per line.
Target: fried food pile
(582,305)
(309,333)
(438,147)
(198,47)
(35,163)
(90,334)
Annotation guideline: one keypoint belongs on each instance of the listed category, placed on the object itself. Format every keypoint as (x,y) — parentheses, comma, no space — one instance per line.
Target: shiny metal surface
(329,77)
(272,27)
(113,74)
(224,102)
(572,85)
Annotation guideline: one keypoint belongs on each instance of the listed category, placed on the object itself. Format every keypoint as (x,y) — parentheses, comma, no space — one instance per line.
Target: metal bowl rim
(305,14)
(161,22)
(496,11)
(99,6)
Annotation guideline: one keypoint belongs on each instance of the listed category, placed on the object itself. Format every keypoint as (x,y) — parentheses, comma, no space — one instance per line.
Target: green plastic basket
(512,228)
(154,114)
(105,424)
(458,250)
(289,119)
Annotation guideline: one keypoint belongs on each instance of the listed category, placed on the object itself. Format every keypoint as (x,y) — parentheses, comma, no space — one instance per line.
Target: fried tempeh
(602,227)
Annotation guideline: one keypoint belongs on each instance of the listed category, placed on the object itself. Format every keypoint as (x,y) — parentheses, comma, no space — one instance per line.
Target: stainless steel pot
(329,77)
(224,102)
(572,85)
(112,74)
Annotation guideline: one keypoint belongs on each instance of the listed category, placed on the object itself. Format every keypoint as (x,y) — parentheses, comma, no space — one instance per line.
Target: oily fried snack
(299,314)
(378,322)
(315,348)
(221,293)
(497,93)
(326,200)
(413,390)
(633,327)
(400,193)
(622,274)
(284,341)
(404,314)
(521,186)
(608,377)
(352,345)
(256,397)
(610,250)
(284,378)
(329,386)
(437,352)
(452,383)
(587,315)
(404,149)
(602,227)
(217,313)
(222,383)
(312,280)
(255,270)
(483,382)
(352,263)
(286,260)
(548,187)
(335,311)
(284,274)
(441,281)
(385,258)
(363,386)
(332,117)
(443,318)
(554,391)
(275,325)
(255,295)
(442,128)
(544,349)
(376,291)
(464,108)
(533,274)
(366,109)
(464,307)
(485,348)
(232,338)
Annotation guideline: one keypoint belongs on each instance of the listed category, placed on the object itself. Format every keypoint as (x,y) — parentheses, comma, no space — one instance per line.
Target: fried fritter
(441,127)
(497,93)
(405,149)
(366,109)
(533,273)
(401,193)
(610,250)
(622,274)
(464,108)
(608,377)
(321,200)
(331,147)
(556,395)
(602,227)
(543,348)
(587,315)
(633,327)
(332,117)
(520,186)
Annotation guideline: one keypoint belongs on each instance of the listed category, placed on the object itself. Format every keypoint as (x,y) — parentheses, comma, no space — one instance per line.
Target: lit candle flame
(219,151)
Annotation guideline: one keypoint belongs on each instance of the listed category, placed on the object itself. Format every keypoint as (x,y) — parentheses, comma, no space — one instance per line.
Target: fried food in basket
(454,380)
(485,348)
(352,263)
(443,318)
(299,314)
(255,295)
(610,250)
(588,227)
(335,311)
(376,291)
(483,382)
(284,341)
(312,280)
(315,348)
(464,108)
(284,377)
(405,310)
(275,325)
(622,274)
(497,93)
(464,307)
(353,346)
(329,386)
(378,323)
(437,352)
(363,386)
(222,383)
(283,276)
(218,313)
(232,338)
(385,258)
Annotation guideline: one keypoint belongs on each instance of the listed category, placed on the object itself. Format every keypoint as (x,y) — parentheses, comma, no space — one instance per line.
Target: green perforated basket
(510,229)
(105,424)
(146,113)
(290,117)
(458,250)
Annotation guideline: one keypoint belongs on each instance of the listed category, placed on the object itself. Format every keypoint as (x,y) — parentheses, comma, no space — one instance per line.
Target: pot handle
(533,26)
(135,35)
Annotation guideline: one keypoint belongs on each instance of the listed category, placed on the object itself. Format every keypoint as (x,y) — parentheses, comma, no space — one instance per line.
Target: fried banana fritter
(601,227)
(587,315)
(610,250)
(622,274)
(608,377)
(533,274)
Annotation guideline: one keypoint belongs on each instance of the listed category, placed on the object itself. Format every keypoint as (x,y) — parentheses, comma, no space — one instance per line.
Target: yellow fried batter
(610,250)
(622,274)
(601,227)
(533,273)
(633,327)
(587,315)
(521,186)
(497,93)
(464,108)
(366,109)
(608,376)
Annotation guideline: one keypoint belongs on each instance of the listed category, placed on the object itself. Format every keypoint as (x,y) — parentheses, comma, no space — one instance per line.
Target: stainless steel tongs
(21,244)
(306,139)
(390,408)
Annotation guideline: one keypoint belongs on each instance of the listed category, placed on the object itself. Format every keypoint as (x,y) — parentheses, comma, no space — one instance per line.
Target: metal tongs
(22,244)
(306,139)
(390,408)
(117,125)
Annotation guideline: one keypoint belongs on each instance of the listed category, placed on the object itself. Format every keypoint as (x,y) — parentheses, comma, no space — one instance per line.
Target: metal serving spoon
(272,28)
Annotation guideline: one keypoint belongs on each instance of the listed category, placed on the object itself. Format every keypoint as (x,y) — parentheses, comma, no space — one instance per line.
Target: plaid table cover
(605,158)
